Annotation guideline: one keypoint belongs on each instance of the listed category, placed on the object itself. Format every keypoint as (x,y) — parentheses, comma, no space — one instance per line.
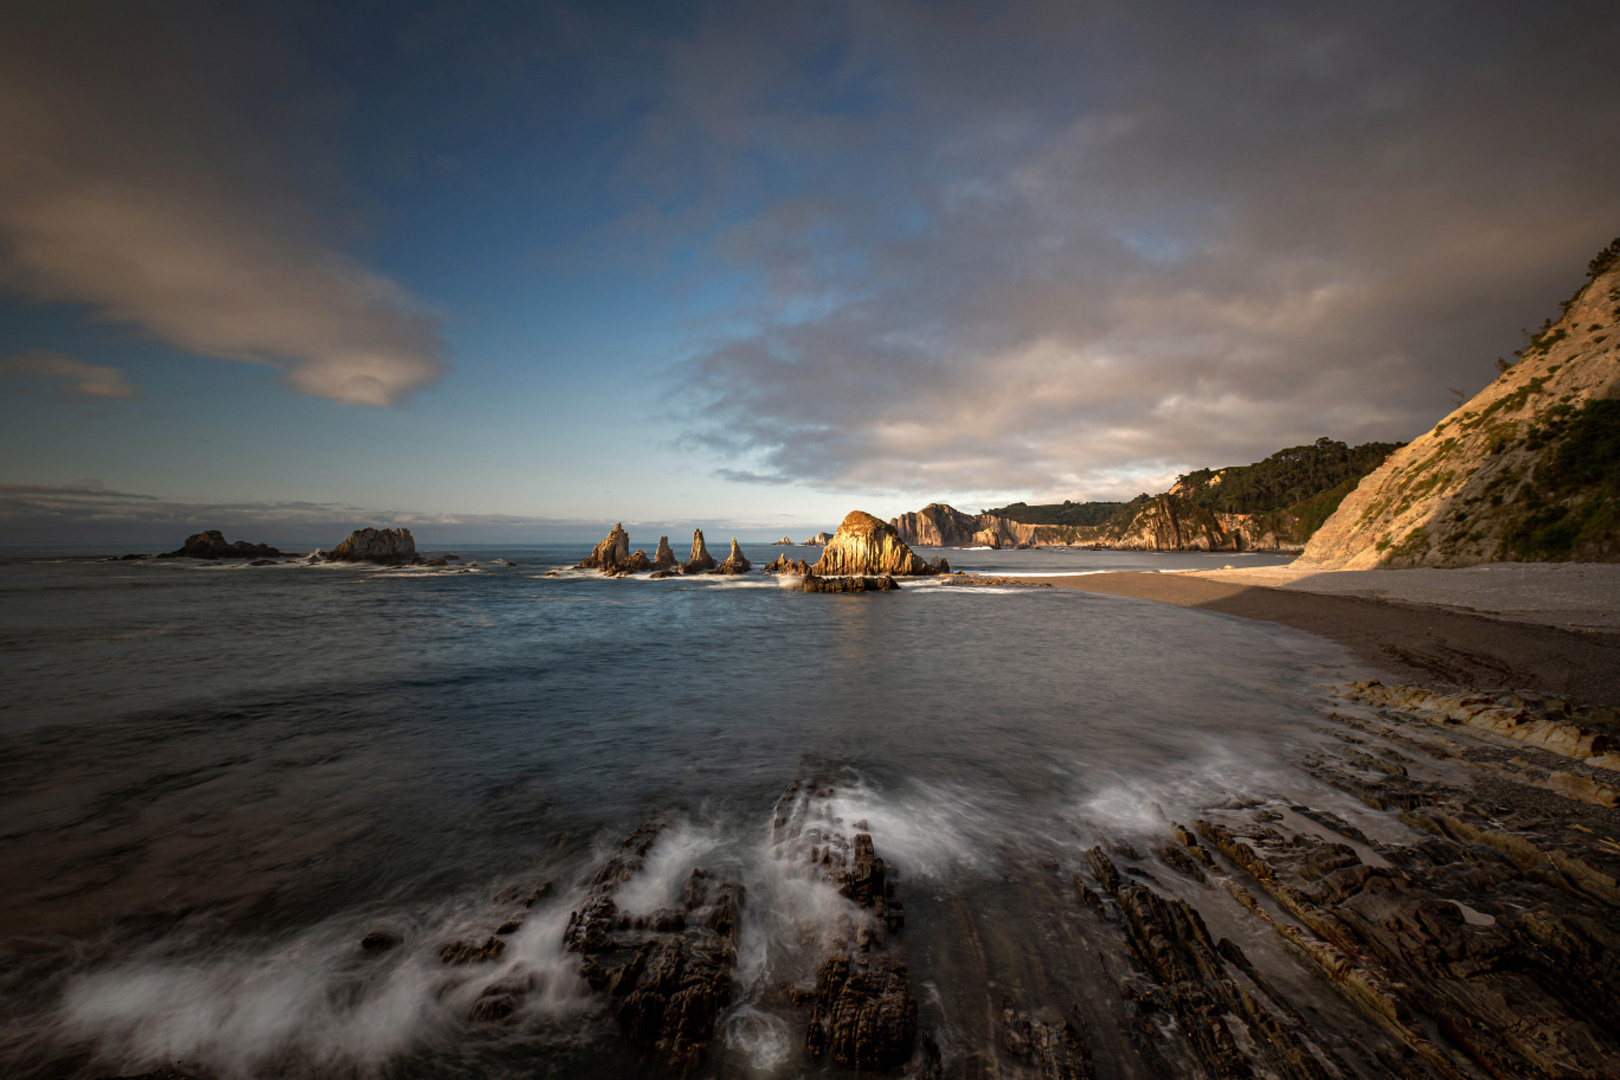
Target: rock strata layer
(864,544)
(387,546)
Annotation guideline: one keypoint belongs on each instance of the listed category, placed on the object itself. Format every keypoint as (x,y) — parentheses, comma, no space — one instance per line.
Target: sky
(513,272)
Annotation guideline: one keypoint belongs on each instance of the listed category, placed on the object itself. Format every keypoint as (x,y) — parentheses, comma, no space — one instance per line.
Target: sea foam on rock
(865,545)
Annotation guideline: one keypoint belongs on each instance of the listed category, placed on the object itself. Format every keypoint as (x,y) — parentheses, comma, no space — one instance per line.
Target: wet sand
(1416,642)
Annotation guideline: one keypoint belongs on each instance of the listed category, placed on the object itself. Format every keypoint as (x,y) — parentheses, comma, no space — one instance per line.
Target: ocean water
(215,779)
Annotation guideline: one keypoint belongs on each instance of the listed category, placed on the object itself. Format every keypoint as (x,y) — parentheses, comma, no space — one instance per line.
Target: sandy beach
(1549,627)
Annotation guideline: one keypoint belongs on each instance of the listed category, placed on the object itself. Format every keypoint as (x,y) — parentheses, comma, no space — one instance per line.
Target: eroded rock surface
(212,545)
(862,1013)
(607,555)
(666,973)
(701,561)
(881,583)
(784,565)
(388,546)
(663,558)
(735,562)
(865,545)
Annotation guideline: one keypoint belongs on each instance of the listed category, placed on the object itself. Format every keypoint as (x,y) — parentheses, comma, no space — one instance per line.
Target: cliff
(865,545)
(1527,470)
(939,525)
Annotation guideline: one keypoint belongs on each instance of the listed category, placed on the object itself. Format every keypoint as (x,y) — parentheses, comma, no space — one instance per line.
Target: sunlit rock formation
(391,546)
(701,561)
(865,545)
(735,562)
(212,545)
(784,565)
(664,558)
(818,540)
(610,552)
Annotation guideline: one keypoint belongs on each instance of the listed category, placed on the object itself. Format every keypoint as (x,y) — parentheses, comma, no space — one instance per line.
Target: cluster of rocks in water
(865,555)
(383,547)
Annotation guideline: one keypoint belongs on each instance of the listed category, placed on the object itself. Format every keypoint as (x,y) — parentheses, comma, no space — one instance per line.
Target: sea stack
(664,558)
(701,561)
(612,551)
(389,546)
(735,563)
(865,545)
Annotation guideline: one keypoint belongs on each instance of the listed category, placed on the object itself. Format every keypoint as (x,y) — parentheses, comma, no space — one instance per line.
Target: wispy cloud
(73,378)
(132,183)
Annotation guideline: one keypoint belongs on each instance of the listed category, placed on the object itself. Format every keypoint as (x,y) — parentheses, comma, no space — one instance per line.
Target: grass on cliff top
(1064,513)
(1570,506)
(1287,478)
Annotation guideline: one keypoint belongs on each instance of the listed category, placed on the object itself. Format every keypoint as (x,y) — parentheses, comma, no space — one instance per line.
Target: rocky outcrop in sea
(818,540)
(701,561)
(865,545)
(879,583)
(664,558)
(784,565)
(607,555)
(735,562)
(211,545)
(386,546)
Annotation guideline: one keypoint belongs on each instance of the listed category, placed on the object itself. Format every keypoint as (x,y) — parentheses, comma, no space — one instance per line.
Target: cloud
(1064,250)
(133,183)
(84,380)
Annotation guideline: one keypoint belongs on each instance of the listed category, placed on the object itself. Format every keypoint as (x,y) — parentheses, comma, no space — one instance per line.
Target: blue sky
(514,271)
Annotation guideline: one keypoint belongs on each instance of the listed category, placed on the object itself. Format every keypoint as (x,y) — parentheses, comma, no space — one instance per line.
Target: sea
(216,779)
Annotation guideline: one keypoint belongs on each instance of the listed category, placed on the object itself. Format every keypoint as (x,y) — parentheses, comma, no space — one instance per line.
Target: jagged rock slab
(666,973)
(607,555)
(701,561)
(735,562)
(663,557)
(882,583)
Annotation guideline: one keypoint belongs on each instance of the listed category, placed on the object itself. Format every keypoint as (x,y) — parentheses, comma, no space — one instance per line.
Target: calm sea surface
(215,779)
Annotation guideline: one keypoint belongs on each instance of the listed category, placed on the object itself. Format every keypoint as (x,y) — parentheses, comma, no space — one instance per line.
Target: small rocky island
(212,545)
(381,547)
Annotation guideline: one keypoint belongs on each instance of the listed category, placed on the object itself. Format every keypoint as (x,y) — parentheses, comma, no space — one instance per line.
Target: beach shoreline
(1482,648)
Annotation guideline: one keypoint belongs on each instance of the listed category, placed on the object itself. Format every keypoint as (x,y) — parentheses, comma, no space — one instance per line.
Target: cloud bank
(1071,249)
(133,183)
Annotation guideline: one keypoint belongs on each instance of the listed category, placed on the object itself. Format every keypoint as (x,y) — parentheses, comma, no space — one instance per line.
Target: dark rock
(658,574)
(939,565)
(464,952)
(667,973)
(883,583)
(635,563)
(167,1073)
(526,895)
(1053,1047)
(701,561)
(380,941)
(735,562)
(212,545)
(129,558)
(862,1017)
(393,547)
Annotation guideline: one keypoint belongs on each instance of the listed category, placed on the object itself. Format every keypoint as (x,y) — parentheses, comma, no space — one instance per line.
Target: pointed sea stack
(664,558)
(612,551)
(701,560)
(392,547)
(865,545)
(735,562)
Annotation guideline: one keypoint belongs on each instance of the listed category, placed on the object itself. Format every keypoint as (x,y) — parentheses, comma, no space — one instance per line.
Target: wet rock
(467,952)
(392,547)
(867,545)
(526,895)
(499,1001)
(263,562)
(607,555)
(663,557)
(784,565)
(939,565)
(862,1017)
(212,545)
(380,941)
(666,974)
(735,562)
(657,575)
(1054,1048)
(701,561)
(883,583)
(862,1014)
(168,1073)
(634,563)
